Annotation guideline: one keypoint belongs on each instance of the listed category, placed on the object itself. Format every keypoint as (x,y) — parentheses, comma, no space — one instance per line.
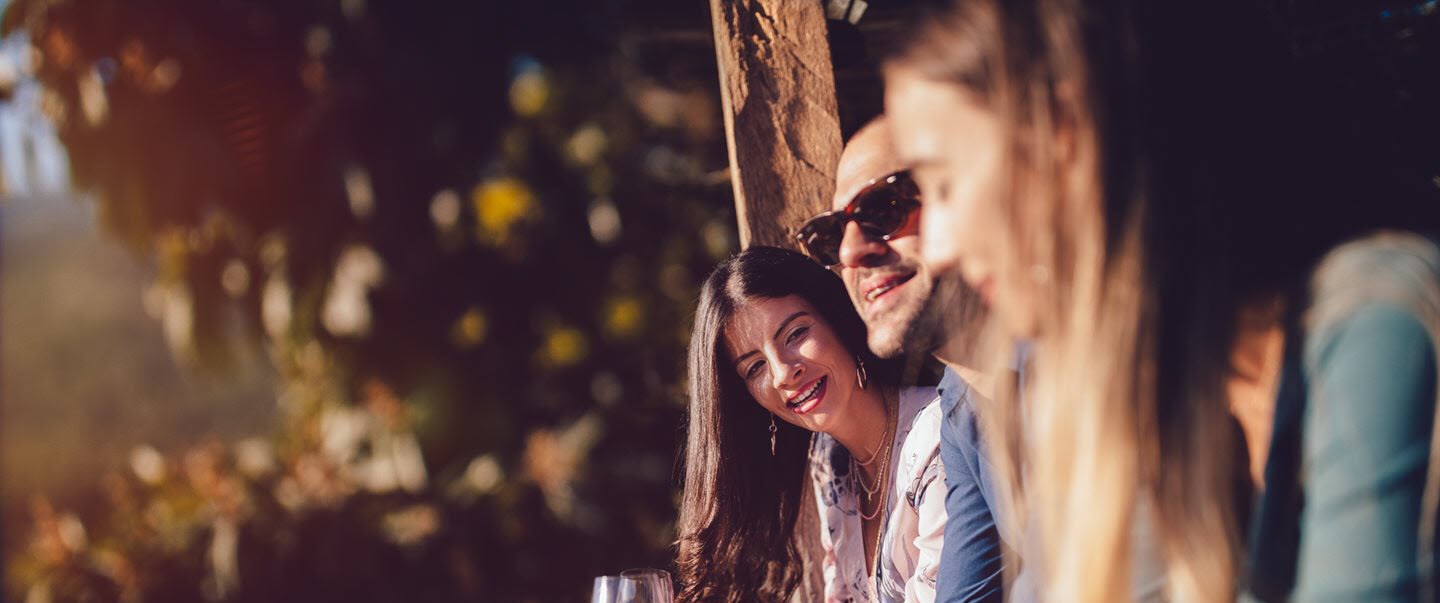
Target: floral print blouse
(914,522)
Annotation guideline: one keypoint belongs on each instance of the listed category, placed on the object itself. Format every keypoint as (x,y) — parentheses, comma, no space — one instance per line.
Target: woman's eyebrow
(743,357)
(783,324)
(786,322)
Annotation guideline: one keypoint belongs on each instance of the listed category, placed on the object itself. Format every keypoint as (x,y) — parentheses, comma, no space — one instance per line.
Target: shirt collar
(952,389)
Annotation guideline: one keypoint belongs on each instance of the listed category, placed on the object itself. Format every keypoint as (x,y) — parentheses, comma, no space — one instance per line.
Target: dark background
(303,247)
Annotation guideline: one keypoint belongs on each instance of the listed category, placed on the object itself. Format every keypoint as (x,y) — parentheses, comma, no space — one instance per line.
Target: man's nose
(858,249)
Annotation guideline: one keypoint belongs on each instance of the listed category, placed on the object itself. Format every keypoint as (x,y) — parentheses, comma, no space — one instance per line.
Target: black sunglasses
(880,209)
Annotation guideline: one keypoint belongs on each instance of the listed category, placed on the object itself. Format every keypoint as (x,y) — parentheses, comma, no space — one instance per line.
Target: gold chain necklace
(874,454)
(860,478)
(889,446)
(879,486)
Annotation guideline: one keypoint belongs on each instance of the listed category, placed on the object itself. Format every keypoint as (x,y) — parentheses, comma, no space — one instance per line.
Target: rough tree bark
(781,121)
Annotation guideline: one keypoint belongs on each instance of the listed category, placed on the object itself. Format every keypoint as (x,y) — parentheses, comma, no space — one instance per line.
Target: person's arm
(1367,429)
(970,566)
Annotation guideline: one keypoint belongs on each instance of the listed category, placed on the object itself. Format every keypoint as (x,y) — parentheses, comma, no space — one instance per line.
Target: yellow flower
(624,317)
(528,93)
(500,204)
(563,346)
(469,331)
(586,145)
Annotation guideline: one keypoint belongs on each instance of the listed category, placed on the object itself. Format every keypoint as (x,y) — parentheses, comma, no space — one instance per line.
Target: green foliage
(473,227)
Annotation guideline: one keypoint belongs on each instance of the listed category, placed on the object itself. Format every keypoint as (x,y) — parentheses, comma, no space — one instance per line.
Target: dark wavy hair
(738,518)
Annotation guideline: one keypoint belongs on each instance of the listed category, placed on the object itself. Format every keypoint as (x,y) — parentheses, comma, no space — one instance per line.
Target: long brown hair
(1144,154)
(737,532)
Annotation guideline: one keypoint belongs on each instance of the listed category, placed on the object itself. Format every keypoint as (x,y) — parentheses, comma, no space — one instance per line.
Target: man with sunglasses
(871,239)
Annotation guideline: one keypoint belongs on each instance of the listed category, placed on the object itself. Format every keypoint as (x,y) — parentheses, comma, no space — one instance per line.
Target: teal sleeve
(1367,430)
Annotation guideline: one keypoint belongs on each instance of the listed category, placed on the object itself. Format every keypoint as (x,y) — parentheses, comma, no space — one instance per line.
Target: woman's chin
(819,420)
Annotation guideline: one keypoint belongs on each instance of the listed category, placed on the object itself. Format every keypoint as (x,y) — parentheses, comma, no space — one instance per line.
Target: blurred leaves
(500,205)
(466,233)
(563,346)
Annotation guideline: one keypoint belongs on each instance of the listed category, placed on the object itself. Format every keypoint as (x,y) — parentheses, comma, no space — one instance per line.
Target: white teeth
(815,389)
(874,293)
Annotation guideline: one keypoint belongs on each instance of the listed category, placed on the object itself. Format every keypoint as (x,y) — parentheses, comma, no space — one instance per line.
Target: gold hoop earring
(861,377)
(773,429)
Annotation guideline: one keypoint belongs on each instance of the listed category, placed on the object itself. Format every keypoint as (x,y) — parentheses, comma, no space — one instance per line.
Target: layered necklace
(886,446)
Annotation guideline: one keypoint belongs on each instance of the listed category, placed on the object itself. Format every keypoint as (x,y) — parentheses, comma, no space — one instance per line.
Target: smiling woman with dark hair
(784,391)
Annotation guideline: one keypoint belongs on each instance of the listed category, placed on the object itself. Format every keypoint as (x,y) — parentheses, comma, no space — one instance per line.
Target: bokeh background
(349,300)
(387,300)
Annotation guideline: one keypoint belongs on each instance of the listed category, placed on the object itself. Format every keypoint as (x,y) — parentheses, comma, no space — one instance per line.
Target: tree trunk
(781,122)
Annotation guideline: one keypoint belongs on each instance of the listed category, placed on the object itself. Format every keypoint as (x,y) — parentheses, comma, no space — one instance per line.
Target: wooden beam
(781,122)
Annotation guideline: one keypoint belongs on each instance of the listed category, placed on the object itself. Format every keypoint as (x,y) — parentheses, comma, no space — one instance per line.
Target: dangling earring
(860,376)
(772,435)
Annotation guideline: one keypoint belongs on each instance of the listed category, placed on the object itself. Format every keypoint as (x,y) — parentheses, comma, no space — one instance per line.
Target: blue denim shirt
(971,559)
(1346,473)
(1347,506)
(971,565)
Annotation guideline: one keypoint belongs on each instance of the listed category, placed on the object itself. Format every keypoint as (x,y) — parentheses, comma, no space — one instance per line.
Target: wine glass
(646,586)
(607,589)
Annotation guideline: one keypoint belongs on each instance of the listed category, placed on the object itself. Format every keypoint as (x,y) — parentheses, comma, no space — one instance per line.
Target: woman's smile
(789,358)
(807,399)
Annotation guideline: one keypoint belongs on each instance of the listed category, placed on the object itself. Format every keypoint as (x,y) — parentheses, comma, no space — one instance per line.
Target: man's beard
(953,310)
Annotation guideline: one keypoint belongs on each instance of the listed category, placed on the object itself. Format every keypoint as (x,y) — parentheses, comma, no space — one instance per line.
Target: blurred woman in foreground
(1124,183)
(776,337)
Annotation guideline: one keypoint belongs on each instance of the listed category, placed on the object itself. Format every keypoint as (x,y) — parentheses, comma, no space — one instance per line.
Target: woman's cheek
(938,244)
(758,394)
